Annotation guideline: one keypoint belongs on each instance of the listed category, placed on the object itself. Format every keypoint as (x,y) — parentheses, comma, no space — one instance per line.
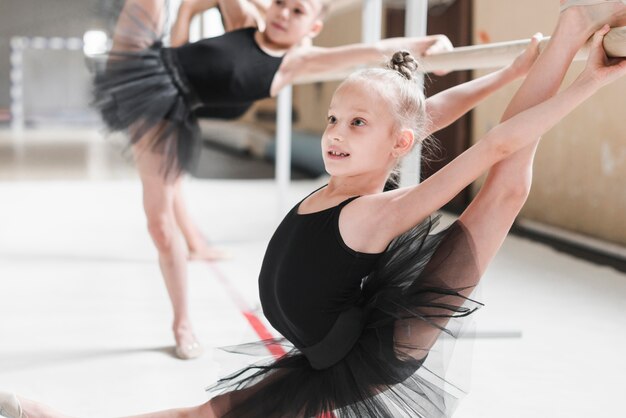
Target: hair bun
(404,63)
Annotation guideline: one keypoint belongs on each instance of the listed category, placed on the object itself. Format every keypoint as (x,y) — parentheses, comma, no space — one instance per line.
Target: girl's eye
(298,11)
(358,122)
(331,119)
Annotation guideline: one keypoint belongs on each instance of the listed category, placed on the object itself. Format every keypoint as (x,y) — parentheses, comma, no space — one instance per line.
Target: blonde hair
(398,85)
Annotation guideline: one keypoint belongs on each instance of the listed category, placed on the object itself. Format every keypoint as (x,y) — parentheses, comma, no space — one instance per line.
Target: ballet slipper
(598,15)
(10,406)
(189,351)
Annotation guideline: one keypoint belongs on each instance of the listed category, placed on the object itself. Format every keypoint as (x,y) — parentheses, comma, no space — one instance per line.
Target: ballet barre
(492,55)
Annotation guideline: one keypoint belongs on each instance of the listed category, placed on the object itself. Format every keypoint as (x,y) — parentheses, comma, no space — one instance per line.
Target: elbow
(505,141)
(499,144)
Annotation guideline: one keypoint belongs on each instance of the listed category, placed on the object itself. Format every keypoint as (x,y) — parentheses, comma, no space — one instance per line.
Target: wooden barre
(486,56)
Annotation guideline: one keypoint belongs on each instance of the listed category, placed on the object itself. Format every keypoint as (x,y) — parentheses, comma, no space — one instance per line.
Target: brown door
(455,21)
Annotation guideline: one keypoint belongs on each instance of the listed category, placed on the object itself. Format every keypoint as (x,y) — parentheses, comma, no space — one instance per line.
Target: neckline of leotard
(349,250)
(254,41)
(297,208)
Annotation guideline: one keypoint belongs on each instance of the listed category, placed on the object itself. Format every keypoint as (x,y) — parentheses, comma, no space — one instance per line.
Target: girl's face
(361,136)
(290,21)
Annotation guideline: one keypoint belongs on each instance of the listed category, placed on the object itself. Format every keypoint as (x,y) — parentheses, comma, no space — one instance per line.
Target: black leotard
(228,70)
(309,275)
(167,88)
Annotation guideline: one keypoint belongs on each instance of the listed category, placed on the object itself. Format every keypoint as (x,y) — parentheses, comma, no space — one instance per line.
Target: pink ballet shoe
(189,351)
(9,406)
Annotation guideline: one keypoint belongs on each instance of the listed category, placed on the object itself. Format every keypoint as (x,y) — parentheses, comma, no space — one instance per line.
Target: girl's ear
(316,28)
(404,143)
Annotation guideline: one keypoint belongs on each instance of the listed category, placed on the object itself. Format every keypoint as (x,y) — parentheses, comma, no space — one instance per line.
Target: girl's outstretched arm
(446,107)
(244,13)
(187,10)
(236,14)
(395,212)
(310,61)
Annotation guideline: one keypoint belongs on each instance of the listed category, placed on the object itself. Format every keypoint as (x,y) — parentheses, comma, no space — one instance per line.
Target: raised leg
(491,214)
(483,226)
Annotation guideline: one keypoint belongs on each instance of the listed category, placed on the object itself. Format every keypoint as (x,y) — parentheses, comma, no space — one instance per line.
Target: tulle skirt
(414,306)
(142,91)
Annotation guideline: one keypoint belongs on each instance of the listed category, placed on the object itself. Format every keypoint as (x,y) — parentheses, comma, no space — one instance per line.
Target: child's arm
(396,211)
(243,13)
(187,10)
(305,62)
(446,107)
(236,14)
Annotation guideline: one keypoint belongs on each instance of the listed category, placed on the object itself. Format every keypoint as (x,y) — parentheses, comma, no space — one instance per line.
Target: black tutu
(141,90)
(412,308)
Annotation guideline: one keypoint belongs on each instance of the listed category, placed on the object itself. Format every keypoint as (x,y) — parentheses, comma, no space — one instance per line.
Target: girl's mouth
(279,27)
(337,155)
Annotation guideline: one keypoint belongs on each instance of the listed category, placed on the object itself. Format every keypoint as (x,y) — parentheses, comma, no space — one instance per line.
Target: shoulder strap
(345,202)
(314,191)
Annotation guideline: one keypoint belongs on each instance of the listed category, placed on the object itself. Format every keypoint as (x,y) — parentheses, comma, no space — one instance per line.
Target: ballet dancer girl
(364,309)
(151,92)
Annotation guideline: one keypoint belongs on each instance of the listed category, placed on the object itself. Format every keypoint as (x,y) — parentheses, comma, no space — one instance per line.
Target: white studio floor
(85,320)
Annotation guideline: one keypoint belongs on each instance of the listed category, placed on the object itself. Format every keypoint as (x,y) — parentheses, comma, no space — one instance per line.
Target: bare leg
(197,245)
(158,199)
(202,411)
(489,217)
(32,409)
(491,214)
(140,23)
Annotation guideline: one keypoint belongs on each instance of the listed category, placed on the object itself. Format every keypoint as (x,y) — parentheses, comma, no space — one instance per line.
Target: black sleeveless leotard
(141,88)
(309,275)
(228,70)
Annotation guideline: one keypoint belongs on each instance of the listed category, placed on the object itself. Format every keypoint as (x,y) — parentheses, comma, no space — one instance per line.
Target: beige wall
(580,169)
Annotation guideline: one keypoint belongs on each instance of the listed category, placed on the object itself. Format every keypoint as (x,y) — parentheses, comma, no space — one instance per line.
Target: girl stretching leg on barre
(365,309)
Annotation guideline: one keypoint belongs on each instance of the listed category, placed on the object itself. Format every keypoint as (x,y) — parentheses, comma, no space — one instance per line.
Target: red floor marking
(255,322)
(253,319)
